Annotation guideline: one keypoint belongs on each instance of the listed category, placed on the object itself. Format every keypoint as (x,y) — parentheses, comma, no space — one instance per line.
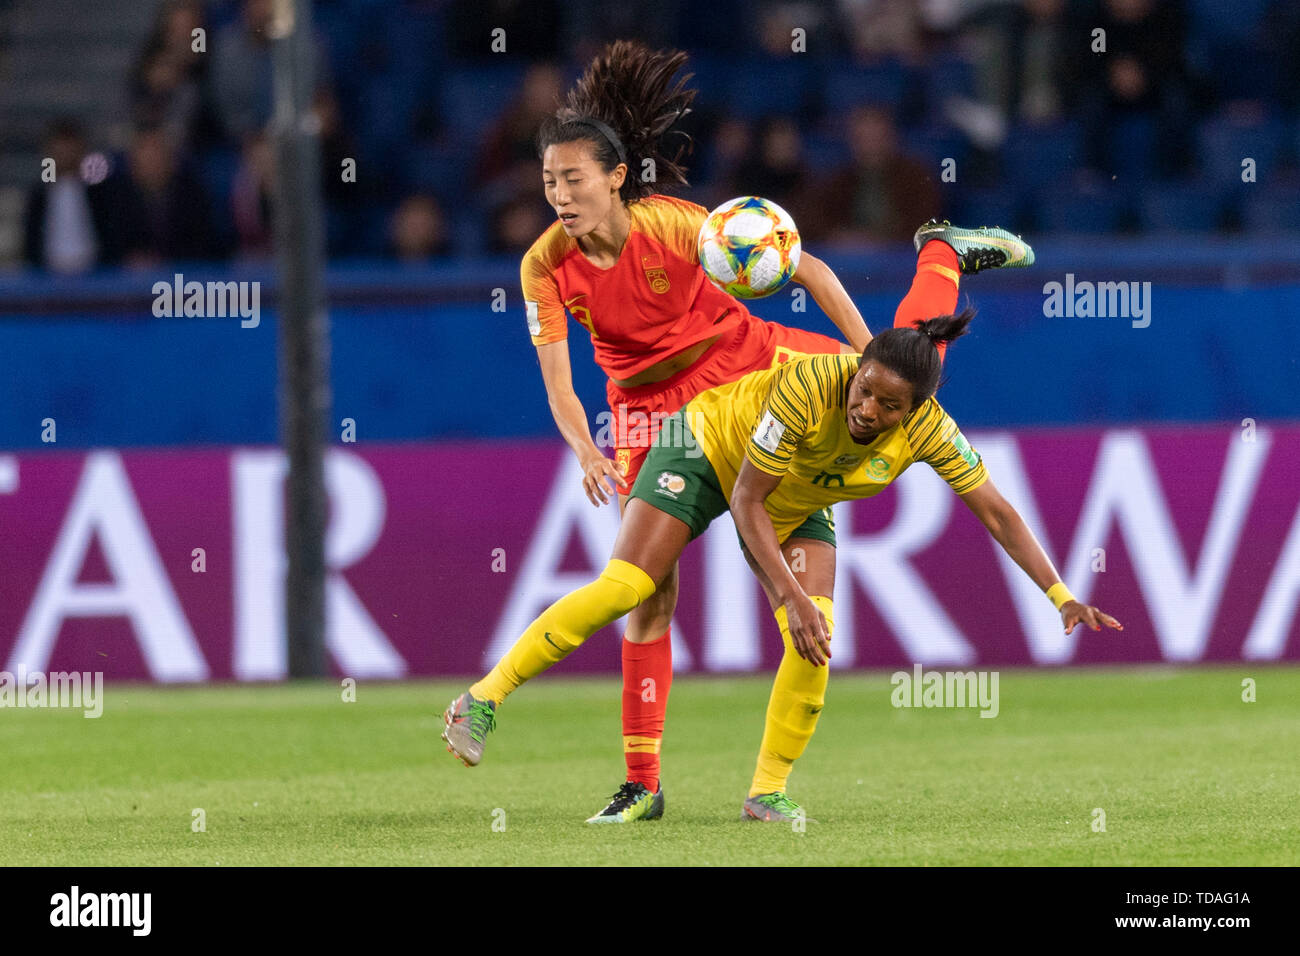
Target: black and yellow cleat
(978,249)
(633,802)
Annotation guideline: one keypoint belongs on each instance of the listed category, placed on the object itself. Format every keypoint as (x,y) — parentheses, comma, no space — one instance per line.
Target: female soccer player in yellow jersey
(780,446)
(622,260)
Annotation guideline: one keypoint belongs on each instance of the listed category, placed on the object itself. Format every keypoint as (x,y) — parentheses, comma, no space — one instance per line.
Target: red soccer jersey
(654,302)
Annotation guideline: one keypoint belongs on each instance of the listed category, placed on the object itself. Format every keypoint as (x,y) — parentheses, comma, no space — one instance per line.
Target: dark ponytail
(624,105)
(910,353)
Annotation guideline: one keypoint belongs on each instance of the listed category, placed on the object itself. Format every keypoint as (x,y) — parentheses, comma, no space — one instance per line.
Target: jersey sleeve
(937,441)
(680,225)
(793,407)
(543,308)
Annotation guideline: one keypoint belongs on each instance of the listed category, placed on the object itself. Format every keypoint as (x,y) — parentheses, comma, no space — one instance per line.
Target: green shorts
(677,478)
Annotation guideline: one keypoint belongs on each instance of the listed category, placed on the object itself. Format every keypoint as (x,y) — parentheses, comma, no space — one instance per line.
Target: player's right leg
(799,688)
(647,548)
(946,253)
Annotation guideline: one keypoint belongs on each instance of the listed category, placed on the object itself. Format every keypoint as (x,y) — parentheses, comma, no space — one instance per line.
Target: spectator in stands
(65,219)
(882,195)
(241,71)
(516,224)
(531,29)
(879,29)
(418,230)
(780,173)
(730,151)
(774,24)
(250,198)
(159,210)
(168,79)
(1142,75)
(590,24)
(1018,49)
(241,77)
(510,149)
(1281,39)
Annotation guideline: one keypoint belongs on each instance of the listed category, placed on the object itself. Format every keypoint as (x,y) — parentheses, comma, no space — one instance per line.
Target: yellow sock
(798,695)
(565,625)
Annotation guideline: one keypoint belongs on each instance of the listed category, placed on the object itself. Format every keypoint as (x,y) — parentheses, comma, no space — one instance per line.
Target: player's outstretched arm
(808,630)
(1011,532)
(571,419)
(817,277)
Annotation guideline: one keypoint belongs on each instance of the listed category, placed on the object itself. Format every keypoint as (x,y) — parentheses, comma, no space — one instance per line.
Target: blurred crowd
(862,117)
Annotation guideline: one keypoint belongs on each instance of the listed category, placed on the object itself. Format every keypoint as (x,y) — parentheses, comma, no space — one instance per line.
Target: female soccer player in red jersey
(622,261)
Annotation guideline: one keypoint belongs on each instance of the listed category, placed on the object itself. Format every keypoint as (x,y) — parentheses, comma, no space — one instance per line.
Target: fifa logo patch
(769,432)
(671,485)
(655,273)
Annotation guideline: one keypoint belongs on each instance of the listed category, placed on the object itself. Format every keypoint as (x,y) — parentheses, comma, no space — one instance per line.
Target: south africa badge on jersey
(968,454)
(655,273)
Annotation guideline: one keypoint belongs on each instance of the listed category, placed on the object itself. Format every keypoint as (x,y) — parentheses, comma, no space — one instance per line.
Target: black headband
(608,133)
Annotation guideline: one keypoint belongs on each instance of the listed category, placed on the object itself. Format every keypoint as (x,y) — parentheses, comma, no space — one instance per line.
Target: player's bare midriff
(670,366)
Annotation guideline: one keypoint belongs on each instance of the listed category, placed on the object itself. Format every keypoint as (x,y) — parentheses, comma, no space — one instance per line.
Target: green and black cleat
(633,802)
(978,249)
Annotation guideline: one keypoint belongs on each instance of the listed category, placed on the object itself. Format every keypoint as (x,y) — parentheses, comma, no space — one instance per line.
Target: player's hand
(808,630)
(593,470)
(1072,613)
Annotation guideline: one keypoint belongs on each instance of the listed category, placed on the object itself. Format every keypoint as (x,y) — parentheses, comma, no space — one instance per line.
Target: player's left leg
(799,690)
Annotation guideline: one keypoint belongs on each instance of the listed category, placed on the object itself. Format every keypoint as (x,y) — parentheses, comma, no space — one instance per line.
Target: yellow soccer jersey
(790,421)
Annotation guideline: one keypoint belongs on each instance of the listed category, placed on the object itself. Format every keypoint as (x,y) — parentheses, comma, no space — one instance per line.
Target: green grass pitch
(1185,771)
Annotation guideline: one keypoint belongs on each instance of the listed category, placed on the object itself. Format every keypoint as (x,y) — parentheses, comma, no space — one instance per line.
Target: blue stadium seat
(756,87)
(1225,142)
(990,207)
(849,85)
(1132,149)
(1272,210)
(1214,19)
(439,169)
(1180,207)
(825,153)
(933,144)
(473,97)
(1087,212)
(946,76)
(1038,156)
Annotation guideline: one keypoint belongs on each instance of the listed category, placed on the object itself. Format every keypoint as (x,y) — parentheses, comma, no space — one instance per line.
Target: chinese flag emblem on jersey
(655,273)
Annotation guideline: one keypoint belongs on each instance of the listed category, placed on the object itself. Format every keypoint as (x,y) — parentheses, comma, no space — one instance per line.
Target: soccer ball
(749,247)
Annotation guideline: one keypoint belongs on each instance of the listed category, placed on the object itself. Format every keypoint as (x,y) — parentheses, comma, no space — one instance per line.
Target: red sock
(934,290)
(647,678)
